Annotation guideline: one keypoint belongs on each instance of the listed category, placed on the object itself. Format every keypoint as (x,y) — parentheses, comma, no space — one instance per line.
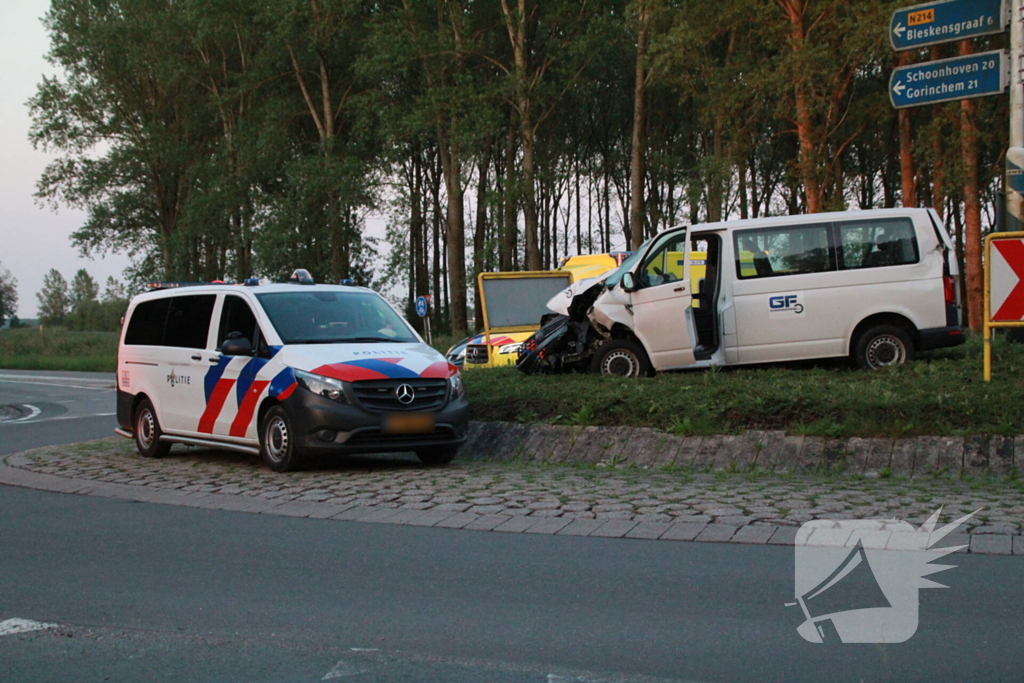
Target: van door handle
(680,289)
(197,357)
(213,360)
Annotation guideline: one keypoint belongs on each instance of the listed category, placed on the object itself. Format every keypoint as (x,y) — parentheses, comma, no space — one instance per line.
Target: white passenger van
(877,286)
(283,370)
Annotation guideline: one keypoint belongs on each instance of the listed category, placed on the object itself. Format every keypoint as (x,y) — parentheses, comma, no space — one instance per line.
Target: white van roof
(826,217)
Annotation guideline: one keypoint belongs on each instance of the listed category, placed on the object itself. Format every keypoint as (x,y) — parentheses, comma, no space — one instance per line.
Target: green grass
(942,393)
(58,349)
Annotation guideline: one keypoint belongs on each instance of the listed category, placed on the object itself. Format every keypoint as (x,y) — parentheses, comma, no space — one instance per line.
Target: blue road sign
(422,306)
(946,80)
(941,22)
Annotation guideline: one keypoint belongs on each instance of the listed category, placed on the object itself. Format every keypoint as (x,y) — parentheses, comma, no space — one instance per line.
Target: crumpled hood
(561,302)
(354,362)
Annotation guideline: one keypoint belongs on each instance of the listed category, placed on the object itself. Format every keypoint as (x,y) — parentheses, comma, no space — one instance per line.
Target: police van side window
(789,250)
(877,243)
(188,321)
(237,316)
(146,328)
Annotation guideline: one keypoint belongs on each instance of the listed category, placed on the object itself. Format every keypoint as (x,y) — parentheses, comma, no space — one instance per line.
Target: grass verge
(58,349)
(942,393)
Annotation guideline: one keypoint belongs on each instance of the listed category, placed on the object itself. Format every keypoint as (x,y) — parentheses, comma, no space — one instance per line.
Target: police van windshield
(325,317)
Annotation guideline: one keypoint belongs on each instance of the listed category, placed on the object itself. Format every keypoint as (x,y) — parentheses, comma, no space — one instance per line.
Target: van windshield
(325,317)
(627,265)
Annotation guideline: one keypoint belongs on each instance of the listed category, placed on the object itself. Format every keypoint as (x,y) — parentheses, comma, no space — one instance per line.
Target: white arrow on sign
(899,88)
(899,30)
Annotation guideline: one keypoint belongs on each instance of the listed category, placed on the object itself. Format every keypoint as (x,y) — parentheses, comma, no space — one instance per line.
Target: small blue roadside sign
(941,22)
(422,306)
(947,80)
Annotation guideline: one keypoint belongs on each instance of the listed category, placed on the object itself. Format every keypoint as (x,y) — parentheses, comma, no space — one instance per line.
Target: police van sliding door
(186,342)
(661,304)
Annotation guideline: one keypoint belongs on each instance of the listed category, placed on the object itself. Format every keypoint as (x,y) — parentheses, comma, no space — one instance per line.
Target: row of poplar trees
(221,139)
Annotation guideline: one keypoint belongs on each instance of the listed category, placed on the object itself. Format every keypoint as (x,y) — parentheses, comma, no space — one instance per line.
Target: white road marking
(108,386)
(12,626)
(25,420)
(34,412)
(342,670)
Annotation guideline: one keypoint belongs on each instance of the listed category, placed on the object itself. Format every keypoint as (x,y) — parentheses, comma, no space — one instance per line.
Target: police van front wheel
(148,432)
(622,357)
(277,441)
(883,346)
(437,455)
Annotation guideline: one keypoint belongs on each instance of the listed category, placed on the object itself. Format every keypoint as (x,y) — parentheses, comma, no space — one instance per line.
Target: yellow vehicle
(514,303)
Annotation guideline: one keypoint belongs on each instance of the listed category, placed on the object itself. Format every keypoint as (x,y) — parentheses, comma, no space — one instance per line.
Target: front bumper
(940,337)
(315,418)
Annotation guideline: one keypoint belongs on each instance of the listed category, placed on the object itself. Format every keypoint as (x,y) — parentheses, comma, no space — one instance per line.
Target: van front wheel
(277,441)
(883,346)
(622,357)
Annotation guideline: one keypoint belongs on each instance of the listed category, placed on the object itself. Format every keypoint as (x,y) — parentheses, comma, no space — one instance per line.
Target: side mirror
(237,347)
(628,282)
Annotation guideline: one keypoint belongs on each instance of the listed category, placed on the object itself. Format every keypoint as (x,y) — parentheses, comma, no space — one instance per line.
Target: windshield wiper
(370,340)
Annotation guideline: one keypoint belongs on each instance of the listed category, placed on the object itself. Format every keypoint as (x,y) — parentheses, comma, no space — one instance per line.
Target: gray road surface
(146,592)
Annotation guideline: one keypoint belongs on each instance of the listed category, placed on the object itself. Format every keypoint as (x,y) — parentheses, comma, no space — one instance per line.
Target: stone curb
(699,532)
(772,451)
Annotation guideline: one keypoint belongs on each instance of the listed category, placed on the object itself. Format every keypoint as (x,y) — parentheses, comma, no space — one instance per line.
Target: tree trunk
(795,10)
(638,170)
(509,203)
(455,237)
(907,175)
(972,206)
(480,231)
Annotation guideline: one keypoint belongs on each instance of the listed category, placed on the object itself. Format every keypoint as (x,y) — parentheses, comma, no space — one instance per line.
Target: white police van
(876,285)
(283,370)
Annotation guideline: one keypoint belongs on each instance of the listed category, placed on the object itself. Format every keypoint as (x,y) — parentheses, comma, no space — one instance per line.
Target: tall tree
(8,295)
(54,299)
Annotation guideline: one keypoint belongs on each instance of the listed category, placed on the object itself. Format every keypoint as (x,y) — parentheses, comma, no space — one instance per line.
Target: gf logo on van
(785,303)
(175,379)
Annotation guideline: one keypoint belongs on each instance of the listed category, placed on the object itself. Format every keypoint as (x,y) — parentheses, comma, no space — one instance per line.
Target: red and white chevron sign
(1006,280)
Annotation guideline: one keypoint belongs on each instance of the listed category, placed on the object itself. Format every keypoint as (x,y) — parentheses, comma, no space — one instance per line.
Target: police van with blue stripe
(285,371)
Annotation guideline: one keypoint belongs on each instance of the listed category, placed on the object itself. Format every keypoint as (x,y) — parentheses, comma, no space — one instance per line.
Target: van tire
(148,432)
(277,441)
(883,346)
(437,455)
(622,357)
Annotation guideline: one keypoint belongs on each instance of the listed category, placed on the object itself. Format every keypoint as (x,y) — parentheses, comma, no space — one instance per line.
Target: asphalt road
(144,592)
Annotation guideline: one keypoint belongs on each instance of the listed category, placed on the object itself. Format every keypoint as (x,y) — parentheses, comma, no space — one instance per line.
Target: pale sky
(32,239)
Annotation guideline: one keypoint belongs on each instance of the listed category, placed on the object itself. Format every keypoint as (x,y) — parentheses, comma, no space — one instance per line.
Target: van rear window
(146,327)
(182,321)
(877,243)
(788,250)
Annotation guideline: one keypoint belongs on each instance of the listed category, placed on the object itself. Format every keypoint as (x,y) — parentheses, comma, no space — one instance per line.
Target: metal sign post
(1004,287)
(1015,155)
(423,311)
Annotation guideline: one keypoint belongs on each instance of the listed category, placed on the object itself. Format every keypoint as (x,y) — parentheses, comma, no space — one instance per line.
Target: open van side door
(661,301)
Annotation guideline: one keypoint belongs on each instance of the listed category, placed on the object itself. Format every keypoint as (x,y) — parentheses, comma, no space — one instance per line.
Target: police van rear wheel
(148,432)
(277,442)
(622,357)
(883,346)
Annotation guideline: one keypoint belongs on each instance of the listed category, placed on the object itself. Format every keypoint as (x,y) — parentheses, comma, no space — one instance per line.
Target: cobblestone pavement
(517,496)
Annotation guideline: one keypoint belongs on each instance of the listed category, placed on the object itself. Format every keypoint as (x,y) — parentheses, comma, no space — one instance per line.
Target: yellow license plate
(408,423)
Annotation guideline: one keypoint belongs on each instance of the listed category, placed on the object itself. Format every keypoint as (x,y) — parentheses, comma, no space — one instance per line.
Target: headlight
(455,382)
(510,348)
(327,387)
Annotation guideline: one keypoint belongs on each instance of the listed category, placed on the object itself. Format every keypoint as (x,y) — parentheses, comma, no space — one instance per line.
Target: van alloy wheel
(277,438)
(886,350)
(883,346)
(622,363)
(277,441)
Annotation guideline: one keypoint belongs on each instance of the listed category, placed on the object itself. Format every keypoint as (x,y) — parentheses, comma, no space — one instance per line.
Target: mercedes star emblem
(405,394)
